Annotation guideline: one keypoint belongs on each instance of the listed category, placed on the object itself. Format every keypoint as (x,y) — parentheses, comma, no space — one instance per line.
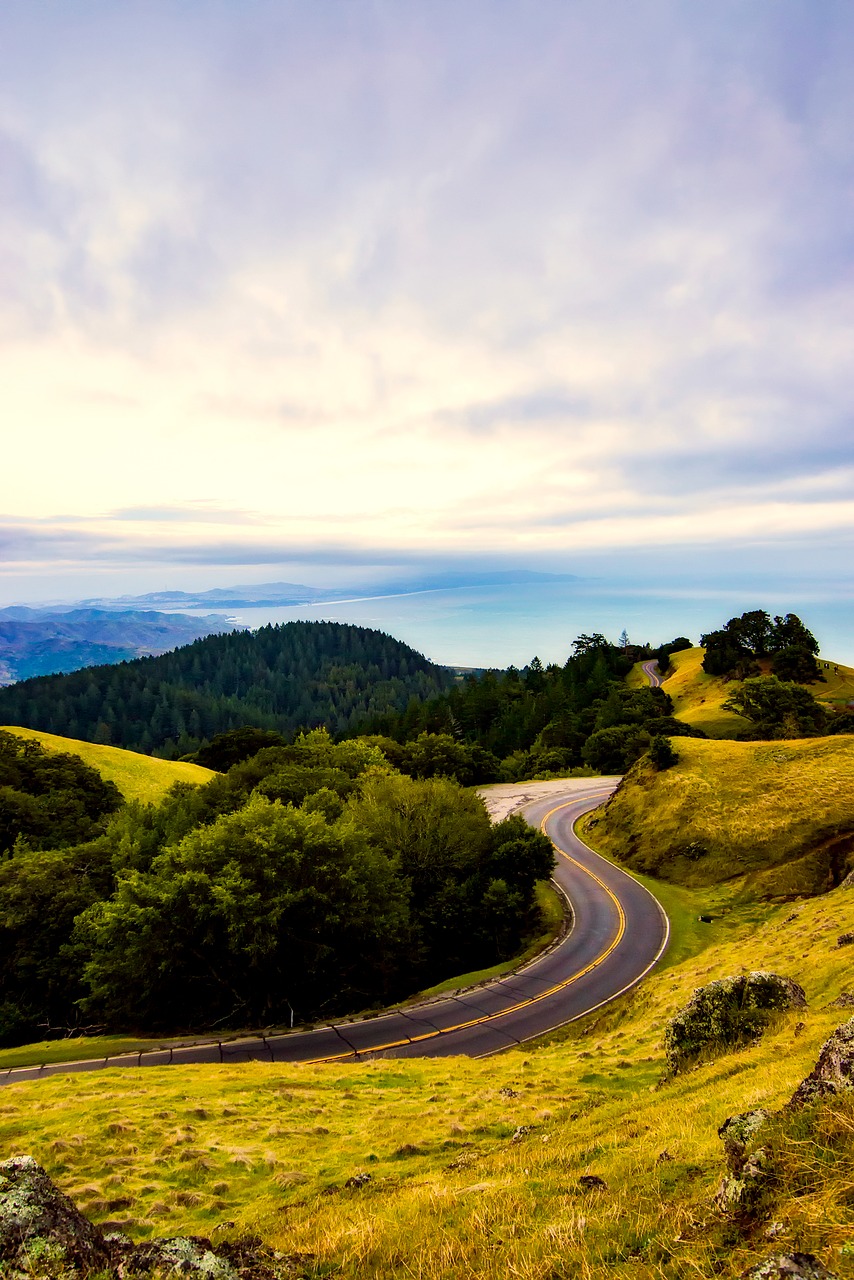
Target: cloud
(426,281)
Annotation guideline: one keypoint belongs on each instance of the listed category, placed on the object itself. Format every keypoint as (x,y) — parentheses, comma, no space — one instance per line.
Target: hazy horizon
(344,294)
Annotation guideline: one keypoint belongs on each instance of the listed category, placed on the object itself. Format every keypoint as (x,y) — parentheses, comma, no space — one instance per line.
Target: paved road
(650,670)
(618,933)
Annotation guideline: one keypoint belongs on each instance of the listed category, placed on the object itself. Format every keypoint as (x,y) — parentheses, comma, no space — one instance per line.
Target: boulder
(834,1071)
(727,1013)
(737,1132)
(37,1220)
(43,1233)
(789,1266)
(743,1194)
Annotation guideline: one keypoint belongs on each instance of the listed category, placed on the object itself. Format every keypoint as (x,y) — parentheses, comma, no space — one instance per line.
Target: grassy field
(475,1166)
(698,698)
(138,777)
(838,685)
(778,816)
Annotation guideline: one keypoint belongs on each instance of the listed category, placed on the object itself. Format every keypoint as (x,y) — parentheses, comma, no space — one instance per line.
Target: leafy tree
(661,753)
(41,893)
(49,798)
(778,709)
(735,649)
(265,908)
(229,748)
(615,748)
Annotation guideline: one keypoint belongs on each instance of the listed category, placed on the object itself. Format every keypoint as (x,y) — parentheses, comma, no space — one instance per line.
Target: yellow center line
(522,1004)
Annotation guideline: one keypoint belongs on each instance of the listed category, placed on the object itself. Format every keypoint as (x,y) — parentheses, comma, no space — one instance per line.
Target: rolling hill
(571,1158)
(300,675)
(776,816)
(137,777)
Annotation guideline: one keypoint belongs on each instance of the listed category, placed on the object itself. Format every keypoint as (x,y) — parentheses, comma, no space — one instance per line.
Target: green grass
(137,777)
(78,1048)
(269,1148)
(775,816)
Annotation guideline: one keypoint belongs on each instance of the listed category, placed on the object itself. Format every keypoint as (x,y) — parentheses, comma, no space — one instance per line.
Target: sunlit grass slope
(698,698)
(779,814)
(137,777)
(838,684)
(474,1166)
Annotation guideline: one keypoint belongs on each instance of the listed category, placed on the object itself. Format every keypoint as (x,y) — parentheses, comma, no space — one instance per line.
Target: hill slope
(35,642)
(476,1167)
(779,813)
(698,698)
(301,675)
(137,777)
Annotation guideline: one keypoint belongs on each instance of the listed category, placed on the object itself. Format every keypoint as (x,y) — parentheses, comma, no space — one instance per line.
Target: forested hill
(299,675)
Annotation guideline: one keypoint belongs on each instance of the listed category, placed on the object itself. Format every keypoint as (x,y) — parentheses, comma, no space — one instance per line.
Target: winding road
(653,675)
(618,933)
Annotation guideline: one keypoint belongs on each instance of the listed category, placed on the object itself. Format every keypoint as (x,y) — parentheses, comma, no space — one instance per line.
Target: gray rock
(834,1071)
(43,1233)
(737,1132)
(592,1182)
(845,939)
(845,1000)
(789,1266)
(727,1013)
(359,1180)
(36,1218)
(743,1195)
(189,1255)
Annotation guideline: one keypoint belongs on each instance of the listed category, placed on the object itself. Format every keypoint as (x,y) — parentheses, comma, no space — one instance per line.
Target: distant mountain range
(272,595)
(60,638)
(37,642)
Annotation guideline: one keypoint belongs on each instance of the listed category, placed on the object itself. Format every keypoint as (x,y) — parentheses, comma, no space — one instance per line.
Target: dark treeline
(511,725)
(286,678)
(785,644)
(311,876)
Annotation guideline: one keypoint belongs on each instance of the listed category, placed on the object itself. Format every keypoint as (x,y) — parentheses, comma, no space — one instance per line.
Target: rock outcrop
(42,1232)
(789,1266)
(727,1013)
(834,1071)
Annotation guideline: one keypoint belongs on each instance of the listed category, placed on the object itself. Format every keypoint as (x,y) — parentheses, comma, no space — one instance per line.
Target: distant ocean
(498,625)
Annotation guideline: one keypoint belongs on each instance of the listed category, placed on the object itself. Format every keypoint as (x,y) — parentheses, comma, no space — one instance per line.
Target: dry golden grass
(137,777)
(454,1193)
(777,812)
(698,699)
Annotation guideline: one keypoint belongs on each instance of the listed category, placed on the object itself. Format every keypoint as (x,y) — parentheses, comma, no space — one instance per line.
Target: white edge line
(616,994)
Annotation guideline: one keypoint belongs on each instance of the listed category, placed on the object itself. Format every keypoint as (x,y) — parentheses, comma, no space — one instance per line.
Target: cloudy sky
(300,287)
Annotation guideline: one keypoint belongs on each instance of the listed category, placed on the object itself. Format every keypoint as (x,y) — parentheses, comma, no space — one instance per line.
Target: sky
(330,289)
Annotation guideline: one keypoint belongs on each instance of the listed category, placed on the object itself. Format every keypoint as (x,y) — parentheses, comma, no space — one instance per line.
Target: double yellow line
(522,1004)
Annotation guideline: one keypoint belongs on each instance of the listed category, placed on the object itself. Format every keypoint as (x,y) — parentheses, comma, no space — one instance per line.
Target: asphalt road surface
(618,933)
(650,670)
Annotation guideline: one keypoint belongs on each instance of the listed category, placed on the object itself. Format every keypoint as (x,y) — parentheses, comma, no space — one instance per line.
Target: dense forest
(538,722)
(286,678)
(311,876)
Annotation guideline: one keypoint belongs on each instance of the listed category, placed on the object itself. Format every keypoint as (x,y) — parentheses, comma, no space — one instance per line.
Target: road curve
(618,933)
(653,675)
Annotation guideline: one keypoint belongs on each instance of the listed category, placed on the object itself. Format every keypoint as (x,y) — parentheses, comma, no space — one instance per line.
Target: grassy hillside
(697,698)
(475,1166)
(838,686)
(137,777)
(779,814)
